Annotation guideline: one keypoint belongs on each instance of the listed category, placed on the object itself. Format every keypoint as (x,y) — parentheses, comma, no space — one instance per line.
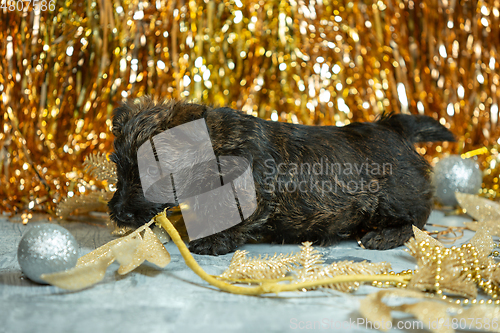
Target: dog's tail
(416,128)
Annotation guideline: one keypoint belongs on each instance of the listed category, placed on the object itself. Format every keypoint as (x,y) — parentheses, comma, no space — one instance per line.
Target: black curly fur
(381,216)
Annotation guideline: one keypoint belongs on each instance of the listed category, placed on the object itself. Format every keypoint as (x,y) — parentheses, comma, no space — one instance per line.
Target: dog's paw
(387,238)
(213,245)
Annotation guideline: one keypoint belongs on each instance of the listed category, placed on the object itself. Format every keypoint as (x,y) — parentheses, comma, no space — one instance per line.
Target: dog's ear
(121,115)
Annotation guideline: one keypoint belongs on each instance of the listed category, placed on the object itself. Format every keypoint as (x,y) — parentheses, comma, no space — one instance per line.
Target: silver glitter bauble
(46,248)
(455,174)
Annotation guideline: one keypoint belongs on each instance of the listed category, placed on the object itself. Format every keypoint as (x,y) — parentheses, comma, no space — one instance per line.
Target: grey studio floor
(174,299)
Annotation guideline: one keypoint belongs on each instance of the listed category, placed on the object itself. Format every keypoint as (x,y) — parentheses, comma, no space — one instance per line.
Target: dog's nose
(124,216)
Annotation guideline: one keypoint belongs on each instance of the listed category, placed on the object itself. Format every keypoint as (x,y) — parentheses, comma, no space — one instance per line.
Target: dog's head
(134,123)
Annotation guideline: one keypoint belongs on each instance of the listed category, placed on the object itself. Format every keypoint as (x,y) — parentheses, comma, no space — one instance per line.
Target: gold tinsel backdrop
(63,69)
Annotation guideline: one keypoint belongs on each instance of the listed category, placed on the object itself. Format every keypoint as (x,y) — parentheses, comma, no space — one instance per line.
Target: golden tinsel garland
(63,70)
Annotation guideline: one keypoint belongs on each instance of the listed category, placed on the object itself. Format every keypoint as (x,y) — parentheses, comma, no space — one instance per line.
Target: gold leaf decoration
(130,251)
(481,317)
(99,166)
(127,253)
(83,204)
(307,265)
(309,259)
(473,226)
(132,254)
(430,312)
(101,251)
(439,269)
(483,242)
(420,236)
(455,270)
(373,309)
(314,270)
(259,268)
(345,268)
(436,315)
(486,212)
(153,249)
(83,275)
(479,208)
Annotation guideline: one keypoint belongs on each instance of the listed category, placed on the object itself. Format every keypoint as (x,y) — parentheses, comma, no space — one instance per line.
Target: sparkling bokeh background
(324,62)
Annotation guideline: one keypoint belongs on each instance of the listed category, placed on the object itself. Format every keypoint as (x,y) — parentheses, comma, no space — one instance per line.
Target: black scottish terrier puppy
(321,184)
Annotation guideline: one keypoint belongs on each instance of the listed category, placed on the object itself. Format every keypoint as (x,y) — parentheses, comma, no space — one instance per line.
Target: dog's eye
(153,171)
